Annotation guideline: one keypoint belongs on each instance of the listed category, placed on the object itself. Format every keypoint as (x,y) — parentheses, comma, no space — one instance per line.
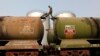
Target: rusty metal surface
(75,53)
(19,44)
(14,28)
(22,53)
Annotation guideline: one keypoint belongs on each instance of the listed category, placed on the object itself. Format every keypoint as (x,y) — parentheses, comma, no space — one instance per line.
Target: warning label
(69,31)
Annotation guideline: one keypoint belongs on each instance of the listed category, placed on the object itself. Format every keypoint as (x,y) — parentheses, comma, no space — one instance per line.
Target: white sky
(85,8)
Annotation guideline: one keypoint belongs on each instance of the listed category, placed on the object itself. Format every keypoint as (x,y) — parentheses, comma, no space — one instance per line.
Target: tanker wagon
(78,36)
(20,36)
(70,35)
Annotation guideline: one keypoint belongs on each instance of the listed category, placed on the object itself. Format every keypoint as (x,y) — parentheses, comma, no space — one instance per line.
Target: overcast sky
(90,8)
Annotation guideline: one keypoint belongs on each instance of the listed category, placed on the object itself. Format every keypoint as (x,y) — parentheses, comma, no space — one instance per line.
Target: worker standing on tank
(48,13)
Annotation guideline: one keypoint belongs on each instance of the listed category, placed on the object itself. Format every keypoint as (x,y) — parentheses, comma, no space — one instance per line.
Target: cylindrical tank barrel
(97,22)
(1,19)
(76,28)
(21,28)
